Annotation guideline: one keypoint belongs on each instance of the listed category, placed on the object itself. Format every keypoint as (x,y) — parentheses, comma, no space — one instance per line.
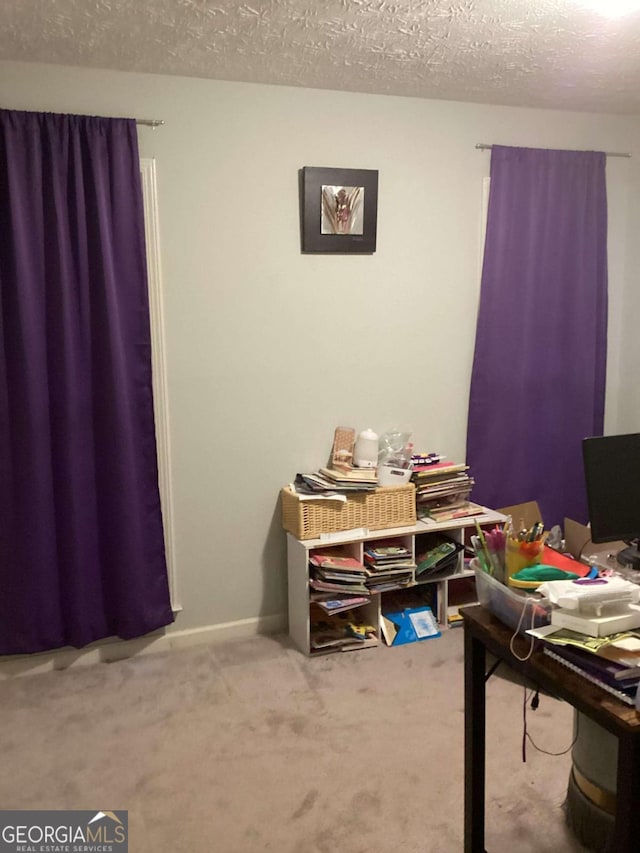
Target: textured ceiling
(547,53)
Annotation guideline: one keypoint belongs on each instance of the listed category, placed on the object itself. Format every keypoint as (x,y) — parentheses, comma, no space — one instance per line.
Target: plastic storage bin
(508,604)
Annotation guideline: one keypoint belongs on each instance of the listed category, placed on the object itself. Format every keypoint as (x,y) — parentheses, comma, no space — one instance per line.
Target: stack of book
(348,478)
(336,573)
(436,554)
(612,663)
(389,565)
(343,631)
(339,604)
(330,481)
(442,491)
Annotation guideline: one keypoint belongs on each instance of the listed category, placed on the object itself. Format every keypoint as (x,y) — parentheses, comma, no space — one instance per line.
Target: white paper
(630,644)
(424,624)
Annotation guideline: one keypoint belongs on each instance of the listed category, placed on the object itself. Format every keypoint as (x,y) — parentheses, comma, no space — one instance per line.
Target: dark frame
(312,179)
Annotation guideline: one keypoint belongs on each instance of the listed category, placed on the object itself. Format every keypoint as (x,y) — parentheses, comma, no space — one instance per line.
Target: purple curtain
(538,378)
(81,543)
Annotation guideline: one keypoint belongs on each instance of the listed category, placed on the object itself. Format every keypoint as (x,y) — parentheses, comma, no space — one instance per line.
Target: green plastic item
(544,573)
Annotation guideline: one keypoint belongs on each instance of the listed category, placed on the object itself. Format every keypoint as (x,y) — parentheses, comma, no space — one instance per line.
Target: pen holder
(519,555)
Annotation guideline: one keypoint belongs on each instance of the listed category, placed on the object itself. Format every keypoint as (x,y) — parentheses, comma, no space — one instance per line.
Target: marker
(483,541)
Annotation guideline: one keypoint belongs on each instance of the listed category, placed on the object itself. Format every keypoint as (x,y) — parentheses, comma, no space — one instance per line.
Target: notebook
(595,671)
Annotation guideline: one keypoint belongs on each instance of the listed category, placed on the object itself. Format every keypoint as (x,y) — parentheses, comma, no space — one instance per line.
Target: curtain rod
(484,146)
(150,122)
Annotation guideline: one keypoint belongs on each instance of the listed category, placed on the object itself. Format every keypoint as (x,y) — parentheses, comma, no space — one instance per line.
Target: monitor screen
(612,478)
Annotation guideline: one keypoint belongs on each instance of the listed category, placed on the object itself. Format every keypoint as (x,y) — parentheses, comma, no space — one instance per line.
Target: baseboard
(107,651)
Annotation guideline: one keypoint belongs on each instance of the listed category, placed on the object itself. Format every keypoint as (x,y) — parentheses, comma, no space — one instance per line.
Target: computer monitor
(612,477)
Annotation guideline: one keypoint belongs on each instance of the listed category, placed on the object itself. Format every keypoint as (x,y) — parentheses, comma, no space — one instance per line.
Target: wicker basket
(392,506)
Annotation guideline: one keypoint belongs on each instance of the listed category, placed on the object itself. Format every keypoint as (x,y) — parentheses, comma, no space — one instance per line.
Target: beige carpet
(251,746)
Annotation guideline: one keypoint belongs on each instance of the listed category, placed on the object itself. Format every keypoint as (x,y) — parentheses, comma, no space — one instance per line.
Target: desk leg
(626,837)
(474,743)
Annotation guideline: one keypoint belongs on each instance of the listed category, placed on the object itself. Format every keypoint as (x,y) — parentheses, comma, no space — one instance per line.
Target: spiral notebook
(625,692)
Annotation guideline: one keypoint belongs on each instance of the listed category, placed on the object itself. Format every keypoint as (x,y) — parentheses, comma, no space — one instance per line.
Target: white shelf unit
(353,542)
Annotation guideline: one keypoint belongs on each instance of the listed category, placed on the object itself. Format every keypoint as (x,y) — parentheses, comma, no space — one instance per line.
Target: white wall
(268,350)
(627,389)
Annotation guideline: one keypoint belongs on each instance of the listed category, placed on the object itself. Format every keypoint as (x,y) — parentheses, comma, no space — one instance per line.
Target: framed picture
(338,210)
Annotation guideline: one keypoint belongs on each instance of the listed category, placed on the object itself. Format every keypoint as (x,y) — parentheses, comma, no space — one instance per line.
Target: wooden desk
(482,633)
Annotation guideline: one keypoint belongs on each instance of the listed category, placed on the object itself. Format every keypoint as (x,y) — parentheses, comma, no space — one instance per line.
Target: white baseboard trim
(107,651)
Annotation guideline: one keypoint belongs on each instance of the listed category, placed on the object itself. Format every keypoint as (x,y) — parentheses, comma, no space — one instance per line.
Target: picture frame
(338,210)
